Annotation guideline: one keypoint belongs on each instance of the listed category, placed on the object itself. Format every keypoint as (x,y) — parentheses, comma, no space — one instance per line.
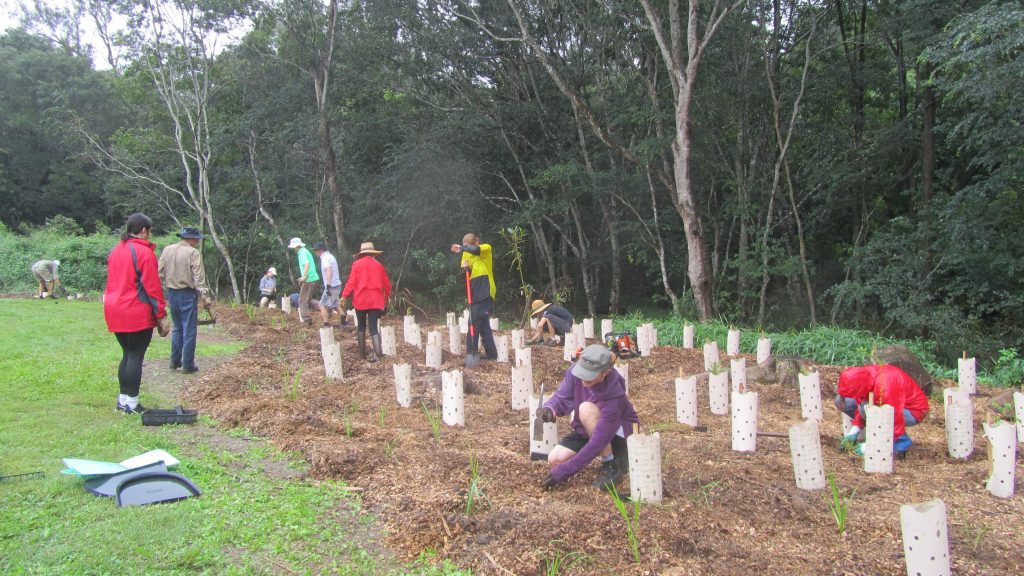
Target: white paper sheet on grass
(79,467)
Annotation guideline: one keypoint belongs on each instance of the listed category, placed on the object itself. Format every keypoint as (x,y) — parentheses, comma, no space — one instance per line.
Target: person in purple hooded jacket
(603,417)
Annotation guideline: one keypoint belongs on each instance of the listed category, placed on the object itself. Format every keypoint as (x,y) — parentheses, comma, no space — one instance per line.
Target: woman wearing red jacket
(887,385)
(369,286)
(133,304)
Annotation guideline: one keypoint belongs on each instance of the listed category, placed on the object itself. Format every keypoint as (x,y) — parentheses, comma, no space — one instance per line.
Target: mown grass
(59,387)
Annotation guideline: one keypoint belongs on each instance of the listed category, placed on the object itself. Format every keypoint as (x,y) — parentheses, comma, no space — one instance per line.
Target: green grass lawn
(58,383)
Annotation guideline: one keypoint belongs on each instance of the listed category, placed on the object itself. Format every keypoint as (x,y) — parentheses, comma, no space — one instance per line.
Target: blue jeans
(850,407)
(184,306)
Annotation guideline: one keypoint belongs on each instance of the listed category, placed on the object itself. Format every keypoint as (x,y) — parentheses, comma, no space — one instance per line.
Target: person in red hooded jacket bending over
(888,385)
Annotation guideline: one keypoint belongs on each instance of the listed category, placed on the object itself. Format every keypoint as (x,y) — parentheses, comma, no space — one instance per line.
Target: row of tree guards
(924,525)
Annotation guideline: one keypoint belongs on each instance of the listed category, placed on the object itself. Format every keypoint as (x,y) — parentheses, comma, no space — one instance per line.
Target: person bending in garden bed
(553,323)
(603,418)
(888,385)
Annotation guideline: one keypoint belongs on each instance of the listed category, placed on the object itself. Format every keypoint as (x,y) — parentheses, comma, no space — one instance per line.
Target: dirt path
(723,512)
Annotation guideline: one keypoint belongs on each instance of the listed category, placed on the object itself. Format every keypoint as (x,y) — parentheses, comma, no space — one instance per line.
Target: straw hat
(367,248)
(538,306)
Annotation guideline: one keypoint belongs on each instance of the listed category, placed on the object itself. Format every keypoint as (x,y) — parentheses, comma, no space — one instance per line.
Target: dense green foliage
(854,162)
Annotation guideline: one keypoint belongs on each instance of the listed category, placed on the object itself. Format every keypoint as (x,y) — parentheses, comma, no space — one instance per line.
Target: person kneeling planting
(603,419)
(887,385)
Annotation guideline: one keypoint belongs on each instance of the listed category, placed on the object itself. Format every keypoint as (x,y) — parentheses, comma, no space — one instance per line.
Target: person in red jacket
(887,385)
(133,304)
(369,287)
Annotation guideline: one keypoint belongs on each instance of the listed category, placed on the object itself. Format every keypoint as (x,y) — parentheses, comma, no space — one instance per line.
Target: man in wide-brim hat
(369,287)
(182,274)
(553,324)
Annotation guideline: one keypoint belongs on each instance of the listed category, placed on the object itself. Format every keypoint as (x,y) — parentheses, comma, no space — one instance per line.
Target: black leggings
(373,315)
(133,351)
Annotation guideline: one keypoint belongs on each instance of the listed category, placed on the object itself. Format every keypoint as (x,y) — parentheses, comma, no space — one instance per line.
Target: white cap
(272,271)
(56,262)
(295,242)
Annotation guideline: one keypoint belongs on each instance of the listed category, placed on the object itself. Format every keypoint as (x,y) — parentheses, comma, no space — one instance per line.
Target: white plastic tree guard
(967,376)
(550,437)
(569,347)
(463,325)
(522,385)
(408,321)
(388,345)
(454,339)
(718,392)
(878,439)
(686,401)
(433,355)
(687,336)
(732,343)
(645,467)
(847,424)
(1002,438)
(495,324)
(645,338)
(738,373)
(351,315)
(1018,411)
(286,305)
(533,323)
(623,369)
(925,538)
(607,327)
(449,318)
(501,343)
(434,337)
(524,356)
(711,356)
(959,412)
(518,338)
(403,384)
(764,350)
(415,336)
(331,352)
(810,395)
(805,449)
(744,421)
(577,332)
(588,328)
(453,409)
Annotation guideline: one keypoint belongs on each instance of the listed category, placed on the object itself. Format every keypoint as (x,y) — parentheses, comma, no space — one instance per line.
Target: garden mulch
(723,512)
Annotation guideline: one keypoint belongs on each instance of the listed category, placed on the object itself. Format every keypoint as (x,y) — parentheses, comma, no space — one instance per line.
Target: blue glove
(902,444)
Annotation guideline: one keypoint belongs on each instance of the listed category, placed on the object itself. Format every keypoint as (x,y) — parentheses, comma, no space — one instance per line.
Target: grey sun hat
(189,232)
(595,359)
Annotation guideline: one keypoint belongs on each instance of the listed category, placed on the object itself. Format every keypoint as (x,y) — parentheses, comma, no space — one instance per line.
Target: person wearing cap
(477,261)
(331,297)
(182,274)
(603,417)
(369,286)
(133,304)
(307,277)
(553,323)
(45,272)
(268,287)
(881,384)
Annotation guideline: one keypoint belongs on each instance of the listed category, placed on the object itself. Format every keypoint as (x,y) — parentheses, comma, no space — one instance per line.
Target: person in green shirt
(476,258)
(308,277)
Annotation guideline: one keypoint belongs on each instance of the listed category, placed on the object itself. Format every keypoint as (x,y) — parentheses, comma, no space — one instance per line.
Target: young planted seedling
(434,419)
(475,493)
(839,503)
(382,416)
(250,312)
(705,490)
(558,561)
(631,518)
(295,390)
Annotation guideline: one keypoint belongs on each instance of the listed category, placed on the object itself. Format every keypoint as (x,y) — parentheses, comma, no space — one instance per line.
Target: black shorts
(575,441)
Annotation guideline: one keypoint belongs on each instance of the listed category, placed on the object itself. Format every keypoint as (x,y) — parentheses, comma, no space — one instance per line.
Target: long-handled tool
(472,356)
(538,421)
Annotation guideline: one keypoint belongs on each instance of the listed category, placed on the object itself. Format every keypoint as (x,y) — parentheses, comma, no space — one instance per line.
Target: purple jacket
(616,410)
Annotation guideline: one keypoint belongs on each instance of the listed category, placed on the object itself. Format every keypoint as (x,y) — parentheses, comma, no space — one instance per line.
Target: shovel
(472,356)
(538,422)
(208,320)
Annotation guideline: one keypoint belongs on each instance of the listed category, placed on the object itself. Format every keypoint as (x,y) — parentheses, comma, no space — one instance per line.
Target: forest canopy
(778,163)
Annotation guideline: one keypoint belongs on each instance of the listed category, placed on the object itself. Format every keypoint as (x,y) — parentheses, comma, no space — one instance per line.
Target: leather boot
(361,339)
(378,350)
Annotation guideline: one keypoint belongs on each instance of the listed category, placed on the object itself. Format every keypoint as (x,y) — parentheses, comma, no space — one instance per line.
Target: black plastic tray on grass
(156,417)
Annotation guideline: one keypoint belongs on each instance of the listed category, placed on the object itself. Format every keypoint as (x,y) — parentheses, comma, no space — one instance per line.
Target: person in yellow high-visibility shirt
(476,258)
